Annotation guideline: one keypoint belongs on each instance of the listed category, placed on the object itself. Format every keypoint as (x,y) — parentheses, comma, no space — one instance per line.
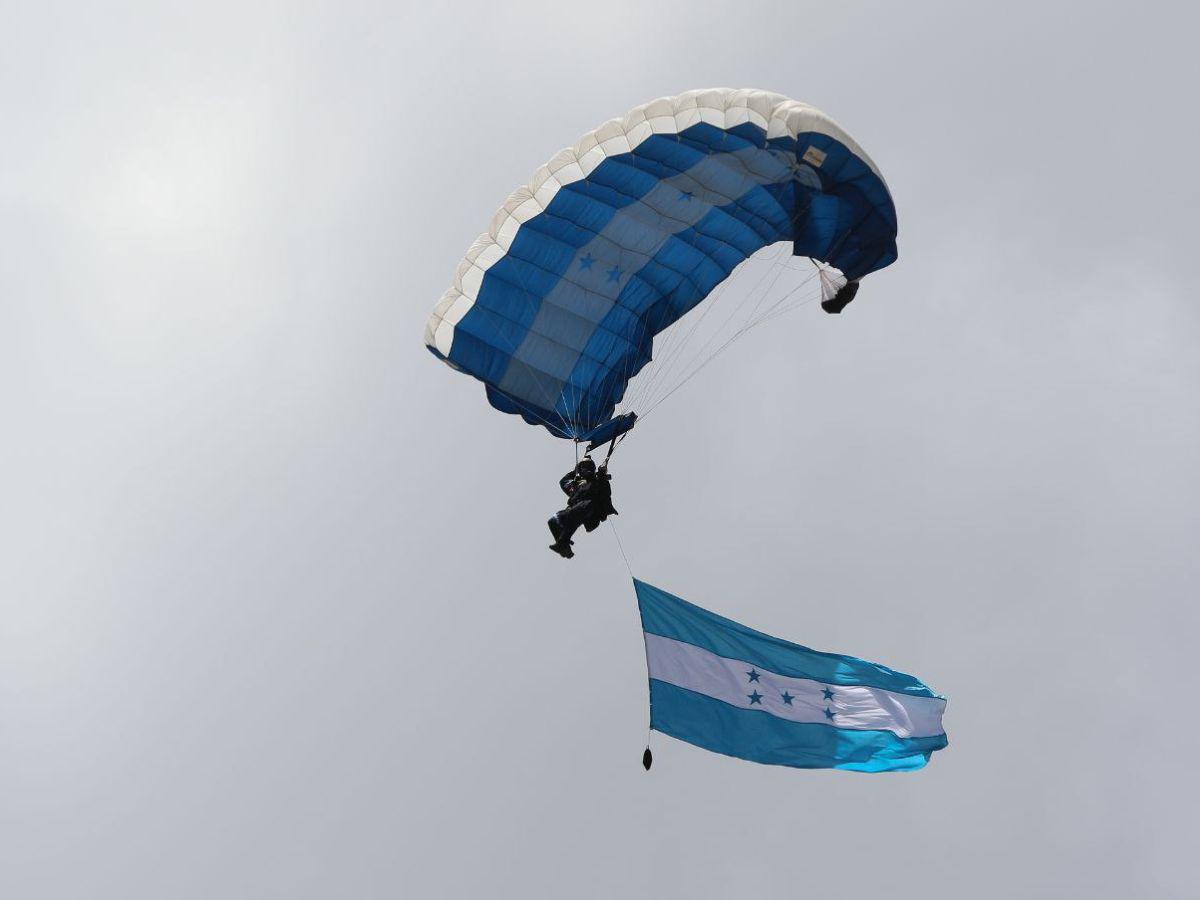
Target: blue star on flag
(828,694)
(753,674)
(787,698)
(614,274)
(829,713)
(755,697)
(585,262)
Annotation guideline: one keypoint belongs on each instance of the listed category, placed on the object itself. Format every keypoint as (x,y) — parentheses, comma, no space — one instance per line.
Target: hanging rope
(628,568)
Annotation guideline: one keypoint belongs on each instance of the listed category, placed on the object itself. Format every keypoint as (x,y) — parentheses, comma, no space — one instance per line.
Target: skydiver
(589,502)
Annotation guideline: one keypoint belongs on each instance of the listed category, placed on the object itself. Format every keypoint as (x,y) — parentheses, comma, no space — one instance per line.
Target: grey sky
(277,618)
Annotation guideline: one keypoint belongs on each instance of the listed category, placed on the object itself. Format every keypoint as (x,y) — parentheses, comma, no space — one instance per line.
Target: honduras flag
(731,689)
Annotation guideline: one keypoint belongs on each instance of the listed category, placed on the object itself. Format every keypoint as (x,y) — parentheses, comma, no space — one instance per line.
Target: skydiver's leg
(563,525)
(569,520)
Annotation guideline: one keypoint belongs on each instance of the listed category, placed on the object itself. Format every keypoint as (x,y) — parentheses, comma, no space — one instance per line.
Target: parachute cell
(556,306)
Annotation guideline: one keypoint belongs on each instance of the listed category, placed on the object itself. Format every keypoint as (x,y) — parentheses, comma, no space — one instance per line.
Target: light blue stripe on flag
(733,690)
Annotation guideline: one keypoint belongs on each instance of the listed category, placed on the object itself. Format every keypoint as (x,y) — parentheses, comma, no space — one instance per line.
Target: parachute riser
(612,446)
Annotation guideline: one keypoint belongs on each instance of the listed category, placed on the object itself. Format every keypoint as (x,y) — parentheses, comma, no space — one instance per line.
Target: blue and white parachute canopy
(556,306)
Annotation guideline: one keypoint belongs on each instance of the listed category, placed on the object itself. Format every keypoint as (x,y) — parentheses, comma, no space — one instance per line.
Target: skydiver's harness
(612,445)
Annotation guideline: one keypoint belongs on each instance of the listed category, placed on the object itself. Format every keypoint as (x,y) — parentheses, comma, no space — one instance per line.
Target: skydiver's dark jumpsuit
(589,502)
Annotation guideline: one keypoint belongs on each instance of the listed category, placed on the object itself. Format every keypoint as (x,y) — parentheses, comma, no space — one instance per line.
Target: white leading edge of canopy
(721,107)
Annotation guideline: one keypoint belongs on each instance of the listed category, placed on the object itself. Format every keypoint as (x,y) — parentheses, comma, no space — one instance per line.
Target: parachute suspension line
(668,360)
(774,261)
(553,426)
(613,446)
(673,341)
(755,299)
(525,294)
(756,295)
(776,308)
(764,294)
(676,347)
(718,351)
(625,370)
(773,311)
(569,390)
(682,336)
(573,405)
(678,338)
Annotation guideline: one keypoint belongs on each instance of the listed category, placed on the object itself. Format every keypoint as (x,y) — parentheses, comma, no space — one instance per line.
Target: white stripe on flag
(864,708)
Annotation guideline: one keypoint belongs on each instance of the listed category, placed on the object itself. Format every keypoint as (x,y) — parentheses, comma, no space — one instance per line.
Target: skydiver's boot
(563,550)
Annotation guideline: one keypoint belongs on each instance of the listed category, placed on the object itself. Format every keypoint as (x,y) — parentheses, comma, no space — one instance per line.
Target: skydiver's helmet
(586,466)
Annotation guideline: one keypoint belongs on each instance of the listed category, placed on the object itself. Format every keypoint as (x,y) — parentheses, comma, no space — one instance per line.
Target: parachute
(556,307)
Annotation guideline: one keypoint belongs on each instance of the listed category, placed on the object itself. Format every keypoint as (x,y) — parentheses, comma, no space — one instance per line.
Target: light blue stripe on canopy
(759,728)
(567,316)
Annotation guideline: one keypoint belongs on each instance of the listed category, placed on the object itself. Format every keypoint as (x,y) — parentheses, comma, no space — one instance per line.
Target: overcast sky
(277,617)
